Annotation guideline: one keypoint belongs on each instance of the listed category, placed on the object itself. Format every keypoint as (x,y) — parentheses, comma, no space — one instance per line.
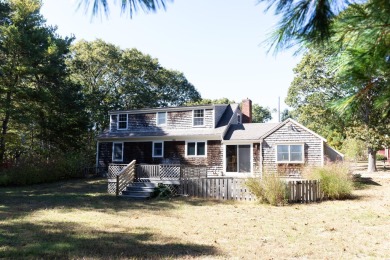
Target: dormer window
(198,117)
(161,118)
(122,121)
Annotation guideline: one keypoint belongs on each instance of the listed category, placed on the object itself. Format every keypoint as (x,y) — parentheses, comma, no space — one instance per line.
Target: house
(385,152)
(220,137)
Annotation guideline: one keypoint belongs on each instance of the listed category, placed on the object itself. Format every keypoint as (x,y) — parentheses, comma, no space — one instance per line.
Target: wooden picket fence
(216,188)
(304,191)
(224,188)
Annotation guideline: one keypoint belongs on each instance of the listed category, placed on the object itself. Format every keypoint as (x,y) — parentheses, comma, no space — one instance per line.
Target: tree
(34,85)
(260,114)
(114,79)
(286,114)
(207,101)
(327,103)
(130,6)
(313,89)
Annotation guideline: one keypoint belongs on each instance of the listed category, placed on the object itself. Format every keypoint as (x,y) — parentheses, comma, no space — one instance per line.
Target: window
(161,118)
(198,117)
(196,148)
(117,152)
(239,119)
(122,122)
(238,158)
(158,149)
(289,153)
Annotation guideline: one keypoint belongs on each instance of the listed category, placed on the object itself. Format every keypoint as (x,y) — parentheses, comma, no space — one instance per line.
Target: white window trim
(113,145)
(162,152)
(238,173)
(127,122)
(166,118)
(193,118)
(289,144)
(196,146)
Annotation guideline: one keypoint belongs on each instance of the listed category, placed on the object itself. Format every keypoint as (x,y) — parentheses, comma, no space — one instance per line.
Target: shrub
(354,149)
(37,170)
(336,180)
(381,157)
(162,191)
(270,189)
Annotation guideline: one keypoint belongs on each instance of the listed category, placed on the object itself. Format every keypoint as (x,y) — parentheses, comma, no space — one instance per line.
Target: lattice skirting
(111,188)
(173,188)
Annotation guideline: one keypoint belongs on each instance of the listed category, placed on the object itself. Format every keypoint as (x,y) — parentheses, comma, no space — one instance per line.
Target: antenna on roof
(279,109)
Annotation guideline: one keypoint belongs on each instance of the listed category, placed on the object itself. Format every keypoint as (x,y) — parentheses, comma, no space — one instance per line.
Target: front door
(238,158)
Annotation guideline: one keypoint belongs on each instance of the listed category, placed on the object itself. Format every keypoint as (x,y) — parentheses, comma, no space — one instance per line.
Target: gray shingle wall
(175,120)
(256,158)
(312,147)
(104,154)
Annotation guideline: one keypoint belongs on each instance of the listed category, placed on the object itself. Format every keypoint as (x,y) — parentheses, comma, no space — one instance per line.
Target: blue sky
(216,44)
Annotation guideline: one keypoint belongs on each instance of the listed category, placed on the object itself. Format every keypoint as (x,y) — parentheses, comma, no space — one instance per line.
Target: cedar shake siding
(312,150)
(183,119)
(174,153)
(214,158)
(256,158)
(104,154)
(147,121)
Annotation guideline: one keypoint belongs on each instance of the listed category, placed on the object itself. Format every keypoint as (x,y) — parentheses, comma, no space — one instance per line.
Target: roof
(158,109)
(289,120)
(218,131)
(199,132)
(250,131)
(256,131)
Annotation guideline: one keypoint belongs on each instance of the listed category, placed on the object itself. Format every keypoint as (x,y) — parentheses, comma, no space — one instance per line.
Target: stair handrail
(124,177)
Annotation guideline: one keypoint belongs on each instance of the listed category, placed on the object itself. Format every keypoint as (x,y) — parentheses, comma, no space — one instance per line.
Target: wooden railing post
(124,177)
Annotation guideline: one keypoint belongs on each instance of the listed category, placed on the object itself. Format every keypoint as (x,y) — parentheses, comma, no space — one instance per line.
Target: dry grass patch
(78,220)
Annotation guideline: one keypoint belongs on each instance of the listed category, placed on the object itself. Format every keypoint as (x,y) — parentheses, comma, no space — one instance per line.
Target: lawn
(77,219)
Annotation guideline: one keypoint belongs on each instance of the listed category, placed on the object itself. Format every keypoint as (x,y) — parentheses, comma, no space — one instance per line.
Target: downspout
(322,152)
(261,158)
(97,156)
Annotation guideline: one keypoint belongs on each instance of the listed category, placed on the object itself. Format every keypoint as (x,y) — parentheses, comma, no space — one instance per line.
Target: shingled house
(220,137)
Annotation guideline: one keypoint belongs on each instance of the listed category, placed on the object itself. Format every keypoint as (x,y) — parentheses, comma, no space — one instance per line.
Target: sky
(216,44)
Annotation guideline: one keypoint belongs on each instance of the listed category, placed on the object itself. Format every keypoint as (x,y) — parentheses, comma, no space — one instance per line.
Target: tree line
(55,94)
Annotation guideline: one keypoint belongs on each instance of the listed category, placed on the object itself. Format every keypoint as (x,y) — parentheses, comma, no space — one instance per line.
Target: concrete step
(143,184)
(138,194)
(140,189)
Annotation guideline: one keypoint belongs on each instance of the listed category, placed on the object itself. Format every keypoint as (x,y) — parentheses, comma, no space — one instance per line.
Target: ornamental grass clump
(335,178)
(270,189)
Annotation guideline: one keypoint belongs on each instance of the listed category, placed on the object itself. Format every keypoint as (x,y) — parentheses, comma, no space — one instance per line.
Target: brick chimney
(246,110)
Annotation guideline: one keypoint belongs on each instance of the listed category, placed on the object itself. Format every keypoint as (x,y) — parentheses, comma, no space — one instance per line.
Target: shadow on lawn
(70,240)
(79,194)
(361,183)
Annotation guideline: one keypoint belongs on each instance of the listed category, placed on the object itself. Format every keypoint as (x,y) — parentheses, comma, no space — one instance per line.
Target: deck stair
(139,190)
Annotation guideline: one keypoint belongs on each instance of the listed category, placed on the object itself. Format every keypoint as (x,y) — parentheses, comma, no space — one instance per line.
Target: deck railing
(124,177)
(169,171)
(148,171)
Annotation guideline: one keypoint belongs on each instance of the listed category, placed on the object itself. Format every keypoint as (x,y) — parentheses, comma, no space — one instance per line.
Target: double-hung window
(158,149)
(122,121)
(198,117)
(196,148)
(161,118)
(289,153)
(117,152)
